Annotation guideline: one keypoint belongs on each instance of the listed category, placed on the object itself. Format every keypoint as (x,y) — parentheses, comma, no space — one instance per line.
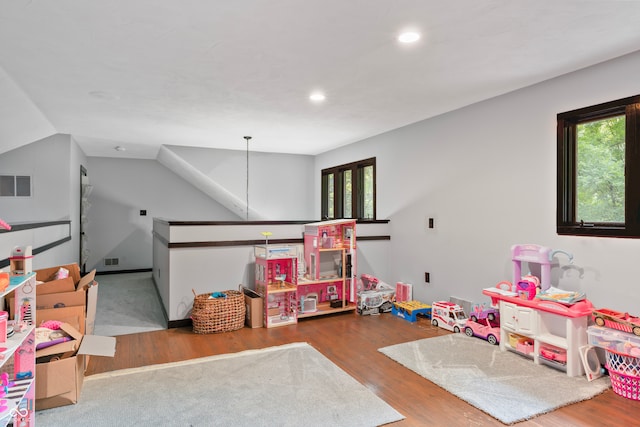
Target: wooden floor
(351,342)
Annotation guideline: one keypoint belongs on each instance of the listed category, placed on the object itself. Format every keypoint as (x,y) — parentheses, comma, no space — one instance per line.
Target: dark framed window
(598,183)
(349,191)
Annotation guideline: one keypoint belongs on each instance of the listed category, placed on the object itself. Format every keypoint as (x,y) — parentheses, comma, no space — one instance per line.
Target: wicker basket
(213,315)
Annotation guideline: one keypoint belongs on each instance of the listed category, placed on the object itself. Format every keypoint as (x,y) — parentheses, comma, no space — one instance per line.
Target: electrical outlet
(427,277)
(143,212)
(430,223)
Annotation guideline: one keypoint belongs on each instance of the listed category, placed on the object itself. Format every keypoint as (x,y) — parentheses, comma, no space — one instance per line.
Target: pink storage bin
(624,372)
(525,347)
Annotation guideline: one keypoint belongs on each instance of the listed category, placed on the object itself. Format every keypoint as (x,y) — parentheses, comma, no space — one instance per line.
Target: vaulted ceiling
(143,73)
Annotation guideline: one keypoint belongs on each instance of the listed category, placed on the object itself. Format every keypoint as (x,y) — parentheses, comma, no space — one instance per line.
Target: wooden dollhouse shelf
(20,349)
(276,287)
(328,267)
(324,308)
(275,321)
(322,280)
(9,347)
(13,398)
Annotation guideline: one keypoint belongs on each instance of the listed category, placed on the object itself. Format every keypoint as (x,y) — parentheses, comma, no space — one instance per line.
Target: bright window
(599,169)
(348,191)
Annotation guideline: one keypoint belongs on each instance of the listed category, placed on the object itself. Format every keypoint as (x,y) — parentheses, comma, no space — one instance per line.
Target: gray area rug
(505,385)
(290,385)
(127,304)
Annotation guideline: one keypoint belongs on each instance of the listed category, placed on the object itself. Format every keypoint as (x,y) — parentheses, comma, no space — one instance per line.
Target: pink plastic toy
(550,352)
(535,254)
(617,320)
(482,311)
(483,329)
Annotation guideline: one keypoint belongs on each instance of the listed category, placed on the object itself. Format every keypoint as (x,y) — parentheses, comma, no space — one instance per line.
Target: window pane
(600,171)
(330,196)
(347,194)
(7,186)
(368,192)
(343,191)
(23,186)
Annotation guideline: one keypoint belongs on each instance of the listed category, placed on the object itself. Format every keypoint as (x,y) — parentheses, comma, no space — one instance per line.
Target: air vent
(15,186)
(110,262)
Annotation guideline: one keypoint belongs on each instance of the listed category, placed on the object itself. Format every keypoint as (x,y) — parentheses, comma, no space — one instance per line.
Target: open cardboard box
(59,380)
(74,316)
(58,285)
(77,297)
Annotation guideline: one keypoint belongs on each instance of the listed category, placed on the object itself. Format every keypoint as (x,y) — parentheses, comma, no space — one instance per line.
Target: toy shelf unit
(329,282)
(277,282)
(17,342)
(556,331)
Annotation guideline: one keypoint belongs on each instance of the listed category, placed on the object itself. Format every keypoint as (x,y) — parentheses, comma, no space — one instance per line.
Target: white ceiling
(205,73)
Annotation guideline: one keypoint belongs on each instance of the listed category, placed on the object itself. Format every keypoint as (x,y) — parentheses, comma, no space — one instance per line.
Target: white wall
(47,162)
(487,174)
(280,185)
(21,122)
(178,272)
(121,188)
(50,162)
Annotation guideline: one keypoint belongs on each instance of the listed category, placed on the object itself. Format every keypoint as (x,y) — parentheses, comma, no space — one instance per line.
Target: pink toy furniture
(404,292)
(534,254)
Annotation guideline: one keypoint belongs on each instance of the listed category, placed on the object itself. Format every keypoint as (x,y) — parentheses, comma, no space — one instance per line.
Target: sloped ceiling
(205,73)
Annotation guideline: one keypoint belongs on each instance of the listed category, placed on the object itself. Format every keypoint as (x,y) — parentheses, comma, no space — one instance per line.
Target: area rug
(505,385)
(290,385)
(128,303)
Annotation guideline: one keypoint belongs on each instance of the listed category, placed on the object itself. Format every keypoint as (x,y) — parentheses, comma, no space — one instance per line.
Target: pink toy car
(553,353)
(617,320)
(484,330)
(481,312)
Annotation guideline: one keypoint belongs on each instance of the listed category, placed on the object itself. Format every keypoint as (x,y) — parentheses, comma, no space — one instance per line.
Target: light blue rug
(505,385)
(287,386)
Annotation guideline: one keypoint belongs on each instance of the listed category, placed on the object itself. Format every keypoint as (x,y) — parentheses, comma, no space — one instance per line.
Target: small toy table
(409,310)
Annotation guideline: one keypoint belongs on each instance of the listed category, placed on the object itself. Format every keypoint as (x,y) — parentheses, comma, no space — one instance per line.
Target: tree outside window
(599,170)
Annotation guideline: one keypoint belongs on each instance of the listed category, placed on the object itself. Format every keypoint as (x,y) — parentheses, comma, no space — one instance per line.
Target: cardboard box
(59,381)
(255,309)
(60,300)
(68,293)
(60,285)
(75,316)
(56,286)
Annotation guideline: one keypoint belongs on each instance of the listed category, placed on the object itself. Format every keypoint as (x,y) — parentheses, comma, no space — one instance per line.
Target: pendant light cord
(247,138)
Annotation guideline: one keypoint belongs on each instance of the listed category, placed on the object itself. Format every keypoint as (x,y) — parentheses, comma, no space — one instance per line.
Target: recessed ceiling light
(317,97)
(409,37)
(120,148)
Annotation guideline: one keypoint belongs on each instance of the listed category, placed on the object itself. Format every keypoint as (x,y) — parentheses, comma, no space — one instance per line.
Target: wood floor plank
(351,342)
